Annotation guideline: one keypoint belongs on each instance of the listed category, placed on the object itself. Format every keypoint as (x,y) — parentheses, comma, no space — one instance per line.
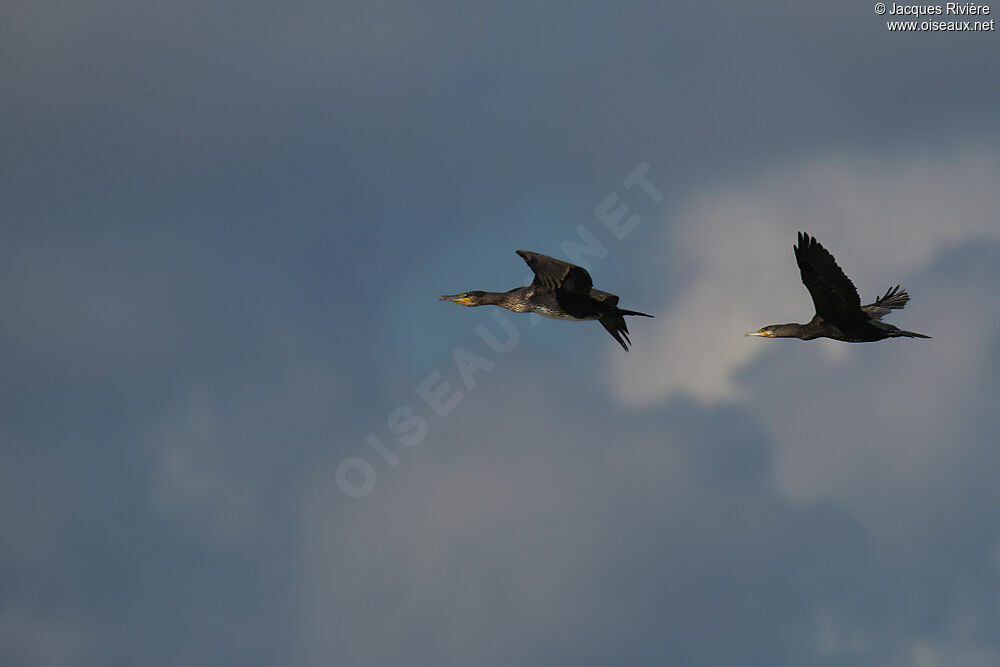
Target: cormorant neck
(492,299)
(791,330)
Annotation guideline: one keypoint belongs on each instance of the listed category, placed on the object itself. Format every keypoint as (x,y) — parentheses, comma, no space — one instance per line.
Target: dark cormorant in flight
(560,290)
(839,313)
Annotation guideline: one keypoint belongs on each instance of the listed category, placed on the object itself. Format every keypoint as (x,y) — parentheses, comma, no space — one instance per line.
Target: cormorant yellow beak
(765,334)
(457,298)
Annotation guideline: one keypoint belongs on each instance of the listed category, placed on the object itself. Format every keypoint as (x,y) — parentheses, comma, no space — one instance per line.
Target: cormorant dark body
(839,313)
(561,291)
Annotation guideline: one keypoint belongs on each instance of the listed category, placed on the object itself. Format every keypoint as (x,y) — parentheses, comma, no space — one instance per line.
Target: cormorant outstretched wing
(833,293)
(554,274)
(893,298)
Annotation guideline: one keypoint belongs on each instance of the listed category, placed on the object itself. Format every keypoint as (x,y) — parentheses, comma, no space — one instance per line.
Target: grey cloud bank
(223,231)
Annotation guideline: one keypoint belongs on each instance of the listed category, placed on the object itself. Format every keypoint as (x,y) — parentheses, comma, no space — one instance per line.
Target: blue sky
(223,232)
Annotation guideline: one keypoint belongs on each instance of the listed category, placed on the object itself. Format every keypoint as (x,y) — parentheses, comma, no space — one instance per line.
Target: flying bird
(839,313)
(561,291)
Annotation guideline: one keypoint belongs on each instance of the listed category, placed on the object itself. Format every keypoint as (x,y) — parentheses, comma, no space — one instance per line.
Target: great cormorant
(560,290)
(839,313)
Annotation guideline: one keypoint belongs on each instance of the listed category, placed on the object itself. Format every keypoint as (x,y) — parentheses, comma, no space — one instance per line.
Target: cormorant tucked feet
(839,313)
(561,291)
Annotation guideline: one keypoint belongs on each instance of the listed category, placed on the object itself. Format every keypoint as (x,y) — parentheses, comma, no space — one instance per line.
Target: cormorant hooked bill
(839,313)
(561,291)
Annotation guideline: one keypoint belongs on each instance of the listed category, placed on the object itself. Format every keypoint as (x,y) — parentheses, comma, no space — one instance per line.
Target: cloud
(217,223)
(893,433)
(886,431)
(883,218)
(528,531)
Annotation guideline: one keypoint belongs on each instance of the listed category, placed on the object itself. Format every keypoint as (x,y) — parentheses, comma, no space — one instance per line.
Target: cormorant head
(473,298)
(777,331)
